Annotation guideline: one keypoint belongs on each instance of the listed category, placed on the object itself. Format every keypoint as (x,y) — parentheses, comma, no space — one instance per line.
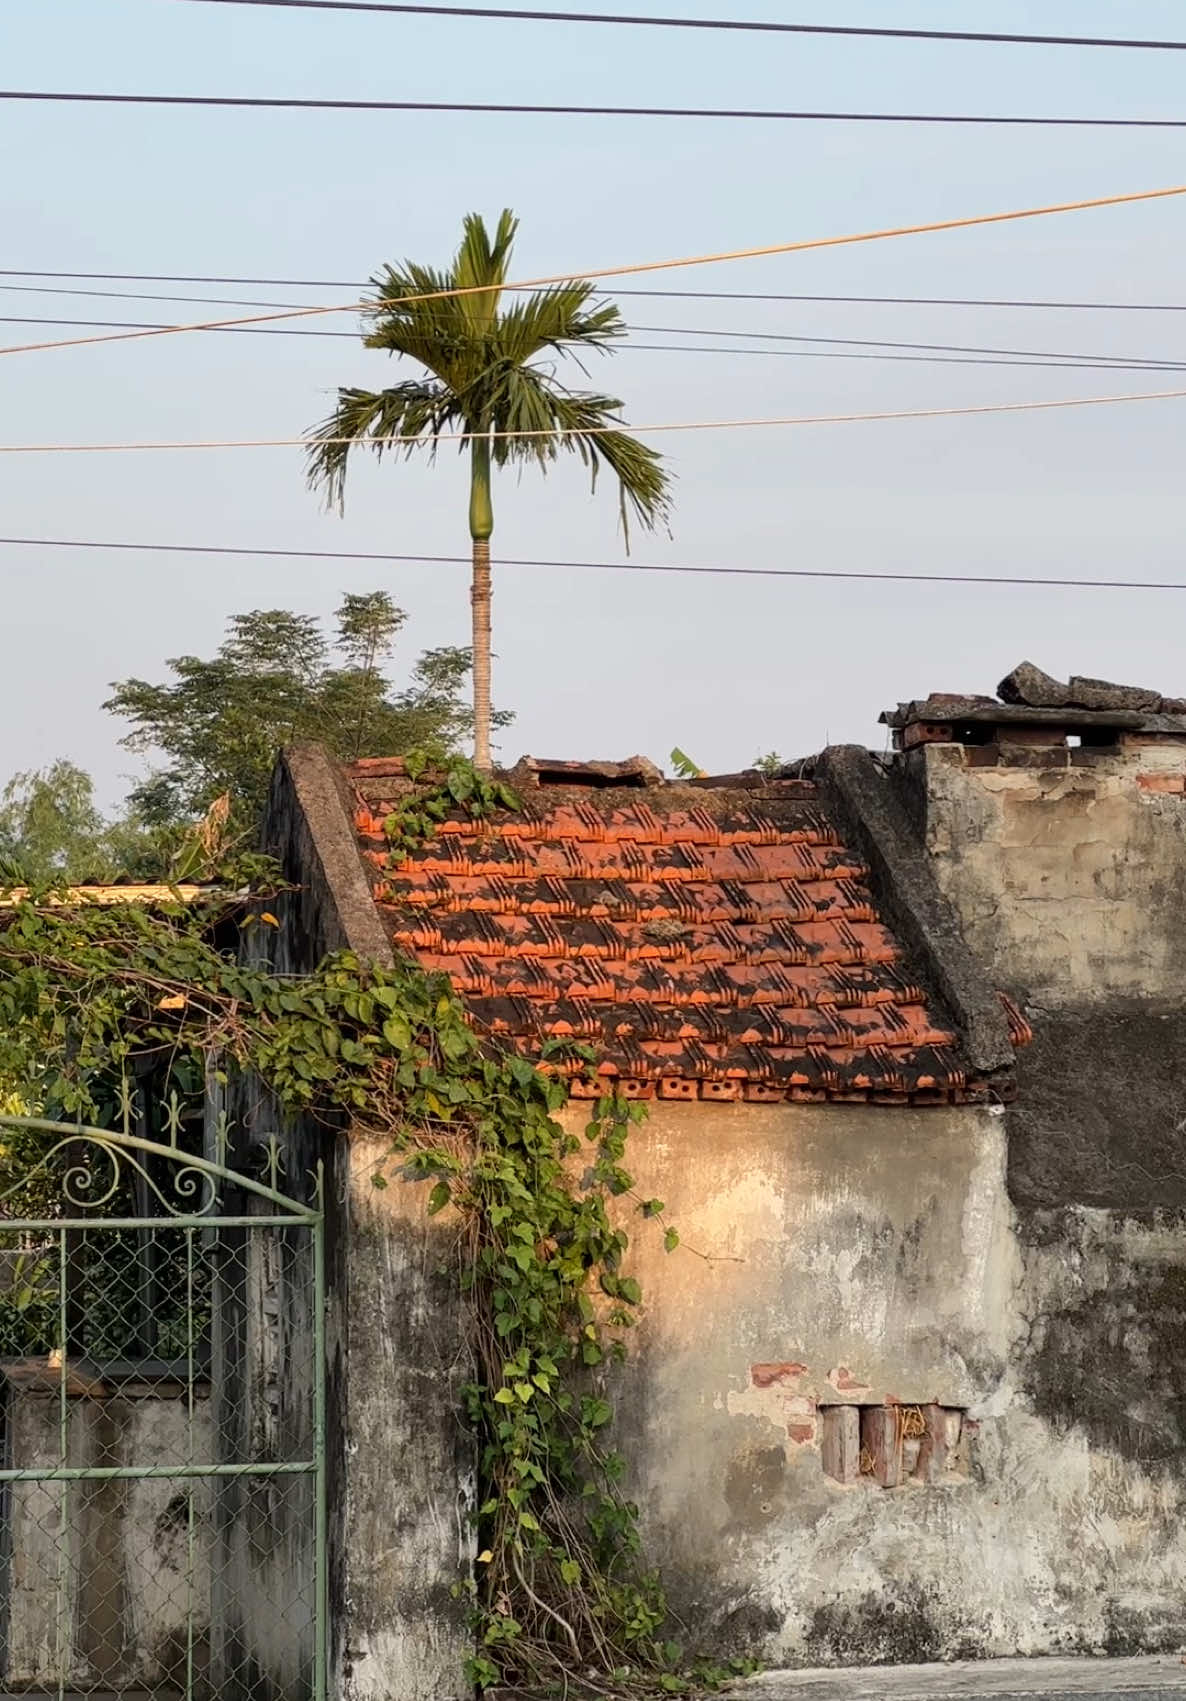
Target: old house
(910,1033)
(918,1391)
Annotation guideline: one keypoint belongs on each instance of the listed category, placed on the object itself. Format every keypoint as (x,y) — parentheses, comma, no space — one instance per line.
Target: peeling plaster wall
(1068,871)
(409,1472)
(836,1253)
(1067,867)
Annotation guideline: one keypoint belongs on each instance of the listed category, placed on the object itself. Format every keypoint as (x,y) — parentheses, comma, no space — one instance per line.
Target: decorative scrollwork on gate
(92,1171)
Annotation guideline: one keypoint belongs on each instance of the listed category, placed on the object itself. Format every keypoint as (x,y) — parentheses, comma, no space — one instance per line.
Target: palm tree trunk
(481,525)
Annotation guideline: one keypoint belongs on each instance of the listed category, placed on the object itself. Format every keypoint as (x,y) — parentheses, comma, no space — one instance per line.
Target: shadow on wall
(1100,1118)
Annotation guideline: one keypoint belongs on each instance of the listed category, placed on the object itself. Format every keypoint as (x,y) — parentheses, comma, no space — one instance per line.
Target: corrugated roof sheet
(712,943)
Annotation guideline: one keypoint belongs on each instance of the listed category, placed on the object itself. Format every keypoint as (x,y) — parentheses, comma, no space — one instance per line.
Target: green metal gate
(162,1420)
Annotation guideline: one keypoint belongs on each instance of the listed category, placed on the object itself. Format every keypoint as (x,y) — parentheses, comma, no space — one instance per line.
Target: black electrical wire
(660,330)
(752,26)
(656,294)
(948,354)
(602,566)
(558,111)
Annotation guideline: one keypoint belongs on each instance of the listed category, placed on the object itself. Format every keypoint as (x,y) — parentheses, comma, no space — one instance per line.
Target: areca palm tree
(484,378)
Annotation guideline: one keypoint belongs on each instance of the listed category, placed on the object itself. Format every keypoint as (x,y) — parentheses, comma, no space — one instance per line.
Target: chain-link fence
(162,1427)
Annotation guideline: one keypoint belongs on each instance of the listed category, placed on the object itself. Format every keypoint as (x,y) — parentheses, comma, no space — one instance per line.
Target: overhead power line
(753,26)
(602,566)
(855,348)
(177,277)
(652,294)
(1092,359)
(929,348)
(683,262)
(873,417)
(806,116)
(152,295)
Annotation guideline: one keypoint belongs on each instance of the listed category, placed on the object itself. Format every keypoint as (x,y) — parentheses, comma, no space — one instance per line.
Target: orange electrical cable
(602,430)
(632,270)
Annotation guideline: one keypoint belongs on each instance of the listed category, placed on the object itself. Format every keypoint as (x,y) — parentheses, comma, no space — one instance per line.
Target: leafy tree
(276,679)
(483,378)
(51,827)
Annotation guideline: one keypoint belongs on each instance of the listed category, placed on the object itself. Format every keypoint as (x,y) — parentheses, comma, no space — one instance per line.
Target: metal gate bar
(227,1363)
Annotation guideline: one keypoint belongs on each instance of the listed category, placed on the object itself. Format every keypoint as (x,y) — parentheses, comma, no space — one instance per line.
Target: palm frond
(417,411)
(404,319)
(394,283)
(587,425)
(557,318)
(479,261)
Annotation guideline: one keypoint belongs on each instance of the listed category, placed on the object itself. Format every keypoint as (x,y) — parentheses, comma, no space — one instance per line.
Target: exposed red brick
(1173,784)
(841,1442)
(932,1455)
(802,1434)
(768,1375)
(676,1087)
(1020,1031)
(845,1383)
(881,1440)
(926,732)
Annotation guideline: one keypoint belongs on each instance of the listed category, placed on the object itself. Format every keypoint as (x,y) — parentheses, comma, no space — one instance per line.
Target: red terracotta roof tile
(710,943)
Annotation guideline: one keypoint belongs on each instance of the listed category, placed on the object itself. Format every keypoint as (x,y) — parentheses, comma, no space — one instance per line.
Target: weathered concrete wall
(1067,867)
(843,1254)
(133,1589)
(410,1473)
(400,1465)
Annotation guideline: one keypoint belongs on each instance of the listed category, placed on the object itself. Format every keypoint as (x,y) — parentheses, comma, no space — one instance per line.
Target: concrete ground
(1153,1678)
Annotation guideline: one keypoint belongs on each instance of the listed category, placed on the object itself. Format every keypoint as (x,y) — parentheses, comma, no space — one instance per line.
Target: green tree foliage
(277,679)
(50,824)
(489,373)
(51,829)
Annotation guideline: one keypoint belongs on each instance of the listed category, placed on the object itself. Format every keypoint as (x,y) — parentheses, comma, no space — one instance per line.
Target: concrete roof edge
(876,824)
(329,860)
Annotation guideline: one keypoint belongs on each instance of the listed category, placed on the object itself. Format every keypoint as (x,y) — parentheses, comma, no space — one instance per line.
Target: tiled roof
(708,942)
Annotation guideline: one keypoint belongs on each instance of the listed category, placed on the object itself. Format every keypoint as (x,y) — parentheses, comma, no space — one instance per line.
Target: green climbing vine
(561,1598)
(455,785)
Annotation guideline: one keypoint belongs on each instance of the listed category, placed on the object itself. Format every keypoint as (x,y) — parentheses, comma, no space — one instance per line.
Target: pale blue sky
(595,664)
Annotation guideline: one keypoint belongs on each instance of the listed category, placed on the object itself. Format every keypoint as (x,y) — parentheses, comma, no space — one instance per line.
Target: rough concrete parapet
(311,832)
